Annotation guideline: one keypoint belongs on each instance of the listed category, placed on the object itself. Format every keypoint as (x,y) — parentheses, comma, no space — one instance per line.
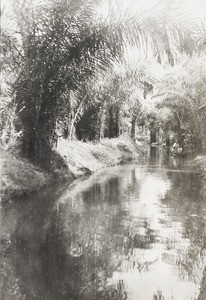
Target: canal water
(135,231)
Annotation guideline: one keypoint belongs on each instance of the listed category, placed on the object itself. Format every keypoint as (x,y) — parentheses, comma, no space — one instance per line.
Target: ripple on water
(128,232)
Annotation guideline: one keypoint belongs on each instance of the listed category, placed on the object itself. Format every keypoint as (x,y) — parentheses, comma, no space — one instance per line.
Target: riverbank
(19,177)
(200,162)
(70,160)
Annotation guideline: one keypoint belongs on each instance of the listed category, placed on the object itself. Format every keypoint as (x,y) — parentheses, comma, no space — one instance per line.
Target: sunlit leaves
(183,92)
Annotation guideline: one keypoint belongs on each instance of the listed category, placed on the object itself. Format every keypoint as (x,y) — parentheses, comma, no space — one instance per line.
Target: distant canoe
(178,152)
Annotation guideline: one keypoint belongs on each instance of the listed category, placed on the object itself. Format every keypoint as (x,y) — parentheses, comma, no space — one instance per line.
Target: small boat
(177,151)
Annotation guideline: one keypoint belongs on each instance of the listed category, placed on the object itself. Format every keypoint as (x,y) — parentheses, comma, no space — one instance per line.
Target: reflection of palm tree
(202,295)
(158,295)
(121,288)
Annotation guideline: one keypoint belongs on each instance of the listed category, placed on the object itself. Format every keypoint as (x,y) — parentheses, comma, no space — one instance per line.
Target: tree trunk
(133,128)
(167,140)
(38,132)
(102,122)
(153,136)
(117,121)
(111,123)
(73,121)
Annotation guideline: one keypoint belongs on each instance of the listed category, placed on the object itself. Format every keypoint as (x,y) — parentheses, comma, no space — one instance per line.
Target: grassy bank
(83,158)
(19,177)
(70,160)
(200,162)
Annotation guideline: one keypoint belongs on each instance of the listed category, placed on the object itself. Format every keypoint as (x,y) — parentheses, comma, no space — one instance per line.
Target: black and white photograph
(103,149)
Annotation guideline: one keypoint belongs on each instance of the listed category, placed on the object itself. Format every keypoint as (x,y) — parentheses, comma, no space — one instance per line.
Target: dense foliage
(67,74)
(183,95)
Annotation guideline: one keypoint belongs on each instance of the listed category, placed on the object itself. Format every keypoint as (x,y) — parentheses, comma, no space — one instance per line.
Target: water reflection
(129,232)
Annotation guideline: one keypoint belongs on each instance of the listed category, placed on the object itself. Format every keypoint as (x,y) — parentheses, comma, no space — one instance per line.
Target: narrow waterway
(132,232)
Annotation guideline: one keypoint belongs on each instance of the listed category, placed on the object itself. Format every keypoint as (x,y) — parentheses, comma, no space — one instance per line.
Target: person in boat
(176,148)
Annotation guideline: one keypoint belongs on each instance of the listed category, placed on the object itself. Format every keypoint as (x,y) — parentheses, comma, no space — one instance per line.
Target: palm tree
(183,92)
(63,43)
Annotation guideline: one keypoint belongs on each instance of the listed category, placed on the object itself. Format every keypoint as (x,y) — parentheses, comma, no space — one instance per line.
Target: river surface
(135,232)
